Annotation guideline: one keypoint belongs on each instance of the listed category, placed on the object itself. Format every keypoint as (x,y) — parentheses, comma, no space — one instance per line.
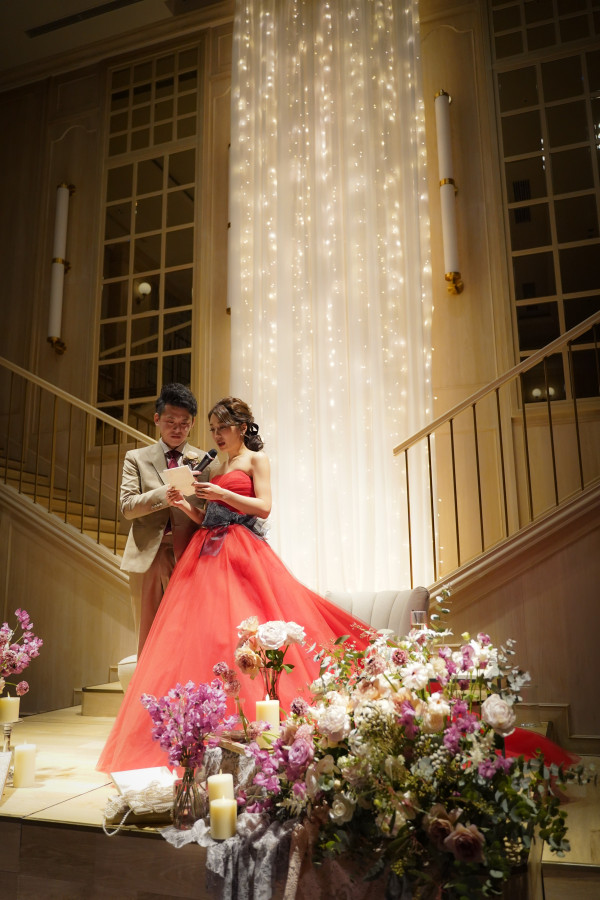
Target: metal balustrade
(505,457)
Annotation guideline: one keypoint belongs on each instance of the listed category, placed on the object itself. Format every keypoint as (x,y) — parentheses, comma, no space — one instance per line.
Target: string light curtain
(329,274)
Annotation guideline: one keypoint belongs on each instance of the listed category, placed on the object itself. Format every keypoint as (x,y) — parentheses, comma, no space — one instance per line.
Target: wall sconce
(144,289)
(59,266)
(447,193)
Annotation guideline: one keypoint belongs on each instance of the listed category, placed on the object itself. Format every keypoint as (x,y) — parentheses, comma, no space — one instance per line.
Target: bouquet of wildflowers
(17,652)
(262,648)
(188,719)
(398,757)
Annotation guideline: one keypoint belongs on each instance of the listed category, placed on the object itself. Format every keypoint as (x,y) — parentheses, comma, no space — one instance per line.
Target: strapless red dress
(209,594)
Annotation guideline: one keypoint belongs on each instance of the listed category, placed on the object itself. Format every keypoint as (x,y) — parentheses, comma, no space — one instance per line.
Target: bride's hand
(204,490)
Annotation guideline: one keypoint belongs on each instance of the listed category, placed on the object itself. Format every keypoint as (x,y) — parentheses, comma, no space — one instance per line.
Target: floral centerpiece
(185,721)
(398,758)
(17,651)
(262,649)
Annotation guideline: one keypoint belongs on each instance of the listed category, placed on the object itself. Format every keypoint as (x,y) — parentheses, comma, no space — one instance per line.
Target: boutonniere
(190,459)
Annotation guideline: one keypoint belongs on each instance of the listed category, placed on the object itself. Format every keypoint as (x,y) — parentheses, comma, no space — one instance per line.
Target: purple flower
(399,657)
(487,768)
(484,639)
(407,719)
(298,707)
(301,752)
(220,669)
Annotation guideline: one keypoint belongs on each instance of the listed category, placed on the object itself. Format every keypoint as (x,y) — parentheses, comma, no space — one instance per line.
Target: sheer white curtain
(329,273)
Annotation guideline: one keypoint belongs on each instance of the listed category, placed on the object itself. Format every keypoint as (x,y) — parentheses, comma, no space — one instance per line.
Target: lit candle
(9,709)
(268,711)
(24,771)
(220,787)
(223,818)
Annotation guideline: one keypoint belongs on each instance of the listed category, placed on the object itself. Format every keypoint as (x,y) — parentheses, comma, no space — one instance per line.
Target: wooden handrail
(517,370)
(79,404)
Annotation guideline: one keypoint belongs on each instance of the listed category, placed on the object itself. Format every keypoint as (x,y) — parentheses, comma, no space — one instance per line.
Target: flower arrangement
(17,652)
(262,648)
(188,719)
(398,757)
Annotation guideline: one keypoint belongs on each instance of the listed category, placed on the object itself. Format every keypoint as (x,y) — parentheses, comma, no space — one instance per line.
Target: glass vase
(188,803)
(270,679)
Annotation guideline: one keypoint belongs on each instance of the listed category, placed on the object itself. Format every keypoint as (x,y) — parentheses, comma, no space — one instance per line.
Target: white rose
(434,714)
(272,635)
(295,633)
(334,723)
(497,713)
(342,808)
(415,676)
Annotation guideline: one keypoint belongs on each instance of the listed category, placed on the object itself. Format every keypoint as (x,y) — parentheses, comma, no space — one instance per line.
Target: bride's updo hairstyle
(231,411)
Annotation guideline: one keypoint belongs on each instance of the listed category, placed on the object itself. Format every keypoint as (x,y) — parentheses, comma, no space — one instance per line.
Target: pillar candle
(9,709)
(268,711)
(220,787)
(24,771)
(223,818)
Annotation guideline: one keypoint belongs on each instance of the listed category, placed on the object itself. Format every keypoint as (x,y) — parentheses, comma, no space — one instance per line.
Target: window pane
(508,45)
(142,378)
(111,382)
(574,28)
(140,139)
(507,18)
(521,133)
(188,81)
(178,288)
(119,183)
(572,170)
(144,335)
(163,133)
(140,116)
(147,253)
(593,68)
(534,276)
(163,110)
(579,308)
(116,259)
(180,247)
(177,368)
(165,65)
(113,338)
(119,100)
(186,104)
(576,219)
(562,78)
(117,145)
(114,299)
(537,324)
(118,221)
(188,58)
(537,10)
(540,36)
(580,268)
(142,72)
(586,364)
(118,122)
(164,87)
(141,416)
(178,331)
(182,168)
(529,227)
(148,214)
(517,88)
(180,207)
(142,94)
(186,127)
(550,372)
(150,175)
(120,78)
(567,124)
(526,179)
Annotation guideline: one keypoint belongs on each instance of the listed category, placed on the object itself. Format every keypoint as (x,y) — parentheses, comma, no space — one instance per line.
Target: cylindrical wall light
(447,193)
(59,266)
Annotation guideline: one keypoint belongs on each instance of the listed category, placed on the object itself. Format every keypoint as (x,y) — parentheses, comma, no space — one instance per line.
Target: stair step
(107,539)
(101,699)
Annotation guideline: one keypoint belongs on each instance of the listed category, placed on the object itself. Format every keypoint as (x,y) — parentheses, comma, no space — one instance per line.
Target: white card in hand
(181,478)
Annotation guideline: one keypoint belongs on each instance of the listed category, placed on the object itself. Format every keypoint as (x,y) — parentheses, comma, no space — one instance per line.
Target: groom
(159,533)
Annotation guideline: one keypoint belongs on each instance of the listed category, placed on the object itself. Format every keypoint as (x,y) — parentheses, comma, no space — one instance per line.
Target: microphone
(204,462)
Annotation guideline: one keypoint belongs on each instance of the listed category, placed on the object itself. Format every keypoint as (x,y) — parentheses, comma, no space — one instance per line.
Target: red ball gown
(226,575)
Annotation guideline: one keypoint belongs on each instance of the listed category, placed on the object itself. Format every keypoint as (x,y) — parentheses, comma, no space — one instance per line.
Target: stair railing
(63,453)
(503,458)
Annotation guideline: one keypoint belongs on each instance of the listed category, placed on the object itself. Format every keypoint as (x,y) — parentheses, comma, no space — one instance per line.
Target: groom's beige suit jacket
(144,501)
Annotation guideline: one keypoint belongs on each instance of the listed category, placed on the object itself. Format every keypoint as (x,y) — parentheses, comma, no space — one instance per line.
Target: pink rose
(466,843)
